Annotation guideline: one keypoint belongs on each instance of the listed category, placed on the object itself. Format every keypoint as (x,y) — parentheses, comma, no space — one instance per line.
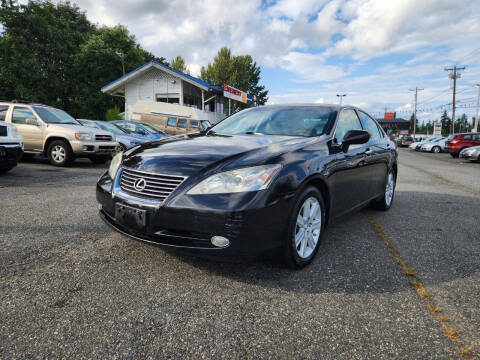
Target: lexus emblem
(140,184)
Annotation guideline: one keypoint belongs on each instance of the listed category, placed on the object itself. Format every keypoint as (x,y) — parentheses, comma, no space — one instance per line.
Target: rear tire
(385,202)
(305,229)
(454,155)
(59,153)
(436,149)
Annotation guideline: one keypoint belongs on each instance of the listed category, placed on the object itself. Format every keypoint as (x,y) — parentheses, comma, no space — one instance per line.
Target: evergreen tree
(179,64)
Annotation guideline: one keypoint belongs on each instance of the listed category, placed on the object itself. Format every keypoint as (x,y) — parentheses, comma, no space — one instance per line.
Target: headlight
(13,131)
(83,136)
(246,179)
(114,165)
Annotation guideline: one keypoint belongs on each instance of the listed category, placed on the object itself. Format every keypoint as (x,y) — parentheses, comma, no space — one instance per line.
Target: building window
(170,98)
(194,124)
(172,122)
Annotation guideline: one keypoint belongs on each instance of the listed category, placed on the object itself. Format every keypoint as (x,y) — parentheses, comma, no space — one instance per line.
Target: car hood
(77,128)
(186,155)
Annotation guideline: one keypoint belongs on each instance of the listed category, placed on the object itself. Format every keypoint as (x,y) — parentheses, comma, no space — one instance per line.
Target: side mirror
(354,137)
(31,121)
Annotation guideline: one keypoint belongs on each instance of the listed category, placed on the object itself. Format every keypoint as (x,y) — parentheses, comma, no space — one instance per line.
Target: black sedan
(267,178)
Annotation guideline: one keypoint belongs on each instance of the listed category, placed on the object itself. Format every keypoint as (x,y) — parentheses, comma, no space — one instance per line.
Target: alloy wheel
(58,153)
(308,227)
(389,189)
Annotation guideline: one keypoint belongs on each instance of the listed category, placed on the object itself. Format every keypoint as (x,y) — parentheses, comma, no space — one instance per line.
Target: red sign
(389,116)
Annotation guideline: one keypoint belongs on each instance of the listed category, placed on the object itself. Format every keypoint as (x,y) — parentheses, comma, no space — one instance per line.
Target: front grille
(103,137)
(156,186)
(3,131)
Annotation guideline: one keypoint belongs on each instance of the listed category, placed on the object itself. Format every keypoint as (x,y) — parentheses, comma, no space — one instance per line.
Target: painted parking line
(433,307)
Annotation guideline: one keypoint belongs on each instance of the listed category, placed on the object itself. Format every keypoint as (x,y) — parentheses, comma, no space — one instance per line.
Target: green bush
(113,114)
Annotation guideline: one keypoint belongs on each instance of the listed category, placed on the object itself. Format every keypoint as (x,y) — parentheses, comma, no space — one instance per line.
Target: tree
(446,123)
(179,64)
(98,63)
(412,122)
(238,71)
(148,56)
(50,53)
(37,51)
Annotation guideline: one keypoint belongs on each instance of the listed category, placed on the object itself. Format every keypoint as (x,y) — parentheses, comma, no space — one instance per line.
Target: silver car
(471,153)
(436,146)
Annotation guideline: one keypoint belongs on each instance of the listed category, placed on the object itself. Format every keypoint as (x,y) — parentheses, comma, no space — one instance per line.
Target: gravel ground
(71,288)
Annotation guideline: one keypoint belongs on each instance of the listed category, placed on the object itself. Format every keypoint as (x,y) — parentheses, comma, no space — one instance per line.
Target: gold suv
(50,131)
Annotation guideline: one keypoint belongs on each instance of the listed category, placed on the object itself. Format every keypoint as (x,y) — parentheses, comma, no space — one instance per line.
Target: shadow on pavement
(353,259)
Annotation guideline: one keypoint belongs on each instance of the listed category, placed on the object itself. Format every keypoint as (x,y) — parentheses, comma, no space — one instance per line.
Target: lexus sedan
(264,179)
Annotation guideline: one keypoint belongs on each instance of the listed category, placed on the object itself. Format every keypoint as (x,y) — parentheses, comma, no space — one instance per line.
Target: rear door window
(21,114)
(467,137)
(3,112)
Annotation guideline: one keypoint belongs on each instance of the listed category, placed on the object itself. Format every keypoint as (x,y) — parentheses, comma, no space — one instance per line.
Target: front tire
(436,149)
(59,153)
(385,202)
(306,225)
(5,170)
(454,155)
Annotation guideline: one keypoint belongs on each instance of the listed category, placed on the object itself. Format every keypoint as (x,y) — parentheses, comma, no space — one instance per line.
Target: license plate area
(131,216)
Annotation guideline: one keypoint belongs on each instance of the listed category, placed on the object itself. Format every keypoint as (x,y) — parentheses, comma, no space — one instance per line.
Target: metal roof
(128,76)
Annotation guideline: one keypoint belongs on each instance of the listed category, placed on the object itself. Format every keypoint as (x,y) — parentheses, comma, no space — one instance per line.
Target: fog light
(220,241)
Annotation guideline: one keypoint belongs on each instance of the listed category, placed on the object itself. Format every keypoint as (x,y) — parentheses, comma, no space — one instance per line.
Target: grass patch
(409,271)
(433,309)
(443,318)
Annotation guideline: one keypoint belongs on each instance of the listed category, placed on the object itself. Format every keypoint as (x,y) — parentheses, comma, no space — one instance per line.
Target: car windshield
(54,116)
(152,129)
(88,123)
(205,124)
(297,121)
(112,128)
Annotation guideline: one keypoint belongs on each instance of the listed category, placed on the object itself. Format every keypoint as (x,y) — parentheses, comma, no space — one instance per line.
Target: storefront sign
(235,94)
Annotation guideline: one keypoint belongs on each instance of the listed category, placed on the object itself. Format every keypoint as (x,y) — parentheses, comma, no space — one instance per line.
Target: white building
(152,87)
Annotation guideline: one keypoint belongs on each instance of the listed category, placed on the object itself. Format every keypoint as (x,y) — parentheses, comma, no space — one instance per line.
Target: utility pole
(341,97)
(454,75)
(475,125)
(122,58)
(415,111)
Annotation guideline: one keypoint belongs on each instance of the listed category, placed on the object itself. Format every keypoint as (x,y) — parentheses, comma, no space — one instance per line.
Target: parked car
(266,178)
(471,153)
(50,131)
(417,145)
(146,131)
(124,139)
(457,142)
(175,125)
(405,140)
(11,146)
(436,146)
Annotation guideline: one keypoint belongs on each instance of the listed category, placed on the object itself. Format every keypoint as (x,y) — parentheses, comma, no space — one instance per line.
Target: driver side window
(347,120)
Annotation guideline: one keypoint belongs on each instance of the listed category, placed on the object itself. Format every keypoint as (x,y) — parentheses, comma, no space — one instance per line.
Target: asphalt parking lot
(71,288)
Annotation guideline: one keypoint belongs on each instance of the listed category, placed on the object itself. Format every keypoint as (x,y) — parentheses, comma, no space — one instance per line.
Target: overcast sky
(372,50)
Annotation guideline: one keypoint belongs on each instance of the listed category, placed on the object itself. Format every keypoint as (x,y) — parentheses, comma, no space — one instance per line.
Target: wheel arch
(319,183)
(52,139)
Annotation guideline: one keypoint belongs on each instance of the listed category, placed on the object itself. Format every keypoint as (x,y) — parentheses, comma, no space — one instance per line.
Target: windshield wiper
(253,133)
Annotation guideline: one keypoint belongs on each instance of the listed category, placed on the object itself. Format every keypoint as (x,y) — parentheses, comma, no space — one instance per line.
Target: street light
(341,97)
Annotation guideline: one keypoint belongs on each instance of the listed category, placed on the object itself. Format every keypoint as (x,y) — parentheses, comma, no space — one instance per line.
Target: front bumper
(469,155)
(89,148)
(190,224)
(9,155)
